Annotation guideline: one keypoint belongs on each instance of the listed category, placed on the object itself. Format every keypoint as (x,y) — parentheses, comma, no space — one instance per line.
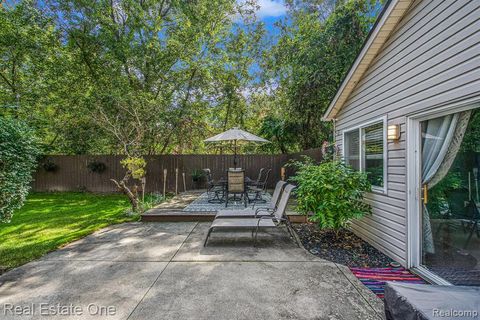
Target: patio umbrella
(236,135)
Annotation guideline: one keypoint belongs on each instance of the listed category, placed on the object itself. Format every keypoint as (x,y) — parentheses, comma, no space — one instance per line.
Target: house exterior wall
(431,59)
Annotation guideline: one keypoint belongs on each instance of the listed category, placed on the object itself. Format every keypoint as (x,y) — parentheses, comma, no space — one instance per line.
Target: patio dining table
(221,191)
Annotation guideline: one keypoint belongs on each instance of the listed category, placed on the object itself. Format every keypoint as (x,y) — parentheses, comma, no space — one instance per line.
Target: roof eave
(381,31)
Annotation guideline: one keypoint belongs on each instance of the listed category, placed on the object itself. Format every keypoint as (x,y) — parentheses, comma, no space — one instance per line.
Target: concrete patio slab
(89,286)
(274,245)
(128,242)
(162,271)
(368,295)
(138,229)
(246,290)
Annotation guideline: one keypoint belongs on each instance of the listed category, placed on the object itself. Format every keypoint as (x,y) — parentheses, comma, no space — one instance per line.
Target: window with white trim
(364,150)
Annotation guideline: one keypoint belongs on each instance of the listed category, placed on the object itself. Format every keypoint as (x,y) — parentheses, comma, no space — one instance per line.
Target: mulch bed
(346,248)
(369,265)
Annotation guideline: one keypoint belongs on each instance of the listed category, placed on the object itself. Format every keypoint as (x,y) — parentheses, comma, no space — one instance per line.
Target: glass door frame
(414,190)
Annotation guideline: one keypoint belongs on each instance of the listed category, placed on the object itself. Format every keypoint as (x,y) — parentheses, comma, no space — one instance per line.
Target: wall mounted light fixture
(393,132)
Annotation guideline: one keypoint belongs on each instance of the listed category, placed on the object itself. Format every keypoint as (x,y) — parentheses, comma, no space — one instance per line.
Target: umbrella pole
(235,154)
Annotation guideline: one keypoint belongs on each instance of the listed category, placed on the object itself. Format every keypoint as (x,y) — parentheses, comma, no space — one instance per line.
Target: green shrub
(18,154)
(331,191)
(136,167)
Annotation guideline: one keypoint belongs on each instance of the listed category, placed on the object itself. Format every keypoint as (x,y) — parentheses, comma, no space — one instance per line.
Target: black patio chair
(457,210)
(259,178)
(215,188)
(463,210)
(260,188)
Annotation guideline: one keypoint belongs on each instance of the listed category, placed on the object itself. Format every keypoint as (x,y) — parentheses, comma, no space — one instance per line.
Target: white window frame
(383,121)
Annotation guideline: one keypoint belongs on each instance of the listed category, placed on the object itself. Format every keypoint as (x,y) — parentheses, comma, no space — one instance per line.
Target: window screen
(373,153)
(352,149)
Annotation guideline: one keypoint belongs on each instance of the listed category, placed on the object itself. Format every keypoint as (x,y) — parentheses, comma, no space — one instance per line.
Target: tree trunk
(132,196)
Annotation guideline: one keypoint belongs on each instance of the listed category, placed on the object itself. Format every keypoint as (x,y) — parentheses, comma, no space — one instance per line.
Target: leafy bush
(18,153)
(331,191)
(97,166)
(136,167)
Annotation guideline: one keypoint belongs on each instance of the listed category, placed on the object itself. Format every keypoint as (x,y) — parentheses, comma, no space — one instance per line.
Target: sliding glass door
(450,179)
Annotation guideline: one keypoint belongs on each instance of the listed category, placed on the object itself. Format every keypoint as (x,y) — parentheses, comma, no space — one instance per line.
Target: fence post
(282,173)
(164,181)
(184,184)
(176,180)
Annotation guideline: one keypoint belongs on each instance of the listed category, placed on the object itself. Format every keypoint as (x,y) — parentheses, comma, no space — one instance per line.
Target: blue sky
(270,11)
(269,24)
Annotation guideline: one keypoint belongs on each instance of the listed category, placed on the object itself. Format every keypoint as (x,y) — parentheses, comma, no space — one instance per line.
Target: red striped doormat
(375,278)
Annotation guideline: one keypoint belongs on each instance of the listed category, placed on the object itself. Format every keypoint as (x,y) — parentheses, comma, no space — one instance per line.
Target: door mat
(375,278)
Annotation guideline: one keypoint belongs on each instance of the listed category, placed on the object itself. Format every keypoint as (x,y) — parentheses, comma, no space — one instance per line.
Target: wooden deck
(172,211)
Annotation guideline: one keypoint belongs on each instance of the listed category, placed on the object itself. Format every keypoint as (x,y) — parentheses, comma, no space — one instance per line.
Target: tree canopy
(159,76)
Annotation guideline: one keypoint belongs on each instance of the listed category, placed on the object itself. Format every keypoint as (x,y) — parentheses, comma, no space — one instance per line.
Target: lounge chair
(252,212)
(255,224)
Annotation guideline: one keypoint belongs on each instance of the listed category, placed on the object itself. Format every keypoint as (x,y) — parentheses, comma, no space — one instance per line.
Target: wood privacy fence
(72,173)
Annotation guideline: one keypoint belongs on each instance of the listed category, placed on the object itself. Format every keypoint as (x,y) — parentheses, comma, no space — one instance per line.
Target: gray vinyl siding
(431,59)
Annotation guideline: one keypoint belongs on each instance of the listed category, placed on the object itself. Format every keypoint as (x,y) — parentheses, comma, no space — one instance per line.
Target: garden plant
(331,192)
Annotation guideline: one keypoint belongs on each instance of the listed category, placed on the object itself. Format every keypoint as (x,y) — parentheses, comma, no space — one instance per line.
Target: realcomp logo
(452,313)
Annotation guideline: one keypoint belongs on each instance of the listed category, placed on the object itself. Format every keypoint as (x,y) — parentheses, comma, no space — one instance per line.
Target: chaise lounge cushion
(247,213)
(249,223)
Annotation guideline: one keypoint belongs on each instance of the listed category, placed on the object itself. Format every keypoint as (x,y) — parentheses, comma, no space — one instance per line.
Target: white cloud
(271,8)
(266,8)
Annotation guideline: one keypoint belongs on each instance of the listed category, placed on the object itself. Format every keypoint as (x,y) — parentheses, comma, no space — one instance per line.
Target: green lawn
(50,220)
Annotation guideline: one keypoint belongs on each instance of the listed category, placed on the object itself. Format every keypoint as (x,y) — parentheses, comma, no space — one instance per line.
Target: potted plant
(197,177)
(49,166)
(96,166)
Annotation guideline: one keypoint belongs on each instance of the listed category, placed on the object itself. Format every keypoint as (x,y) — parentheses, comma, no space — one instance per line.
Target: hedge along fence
(72,173)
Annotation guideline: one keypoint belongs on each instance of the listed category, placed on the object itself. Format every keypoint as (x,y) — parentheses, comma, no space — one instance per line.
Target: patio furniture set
(272,216)
(237,185)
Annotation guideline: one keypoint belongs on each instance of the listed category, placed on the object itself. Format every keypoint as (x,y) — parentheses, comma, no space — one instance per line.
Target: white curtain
(442,138)
(436,141)
(452,150)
